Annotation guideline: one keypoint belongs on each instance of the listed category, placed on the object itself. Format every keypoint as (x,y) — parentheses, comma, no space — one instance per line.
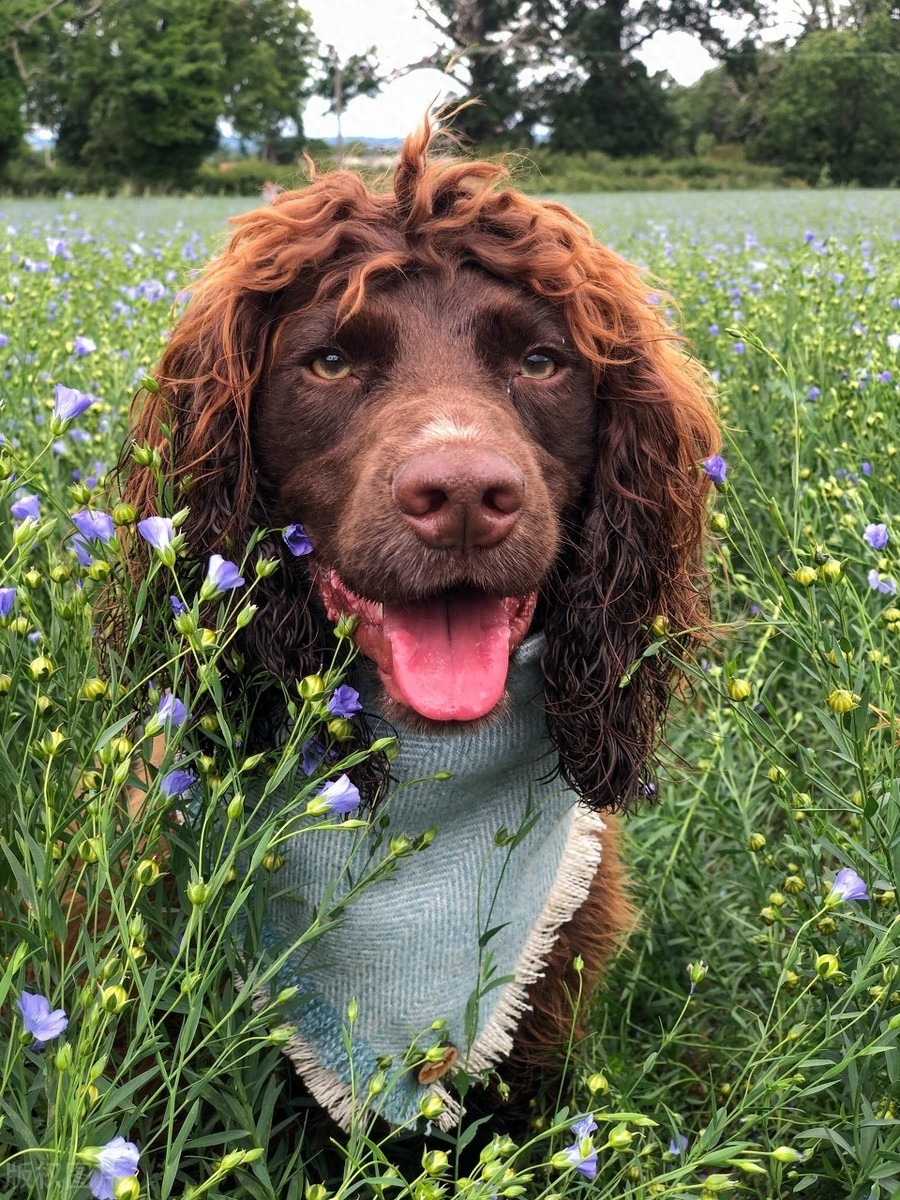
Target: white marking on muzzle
(445,429)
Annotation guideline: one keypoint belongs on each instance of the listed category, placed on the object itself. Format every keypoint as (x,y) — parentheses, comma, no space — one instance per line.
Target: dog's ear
(633,572)
(199,421)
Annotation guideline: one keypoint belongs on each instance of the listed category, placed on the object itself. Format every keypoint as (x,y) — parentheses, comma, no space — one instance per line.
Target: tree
(24,28)
(340,82)
(268,50)
(834,106)
(569,63)
(135,88)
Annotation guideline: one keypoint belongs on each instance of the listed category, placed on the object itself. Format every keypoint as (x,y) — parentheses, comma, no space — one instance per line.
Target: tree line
(137,89)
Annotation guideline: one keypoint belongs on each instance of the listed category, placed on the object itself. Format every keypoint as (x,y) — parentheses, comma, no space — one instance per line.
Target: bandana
(420,962)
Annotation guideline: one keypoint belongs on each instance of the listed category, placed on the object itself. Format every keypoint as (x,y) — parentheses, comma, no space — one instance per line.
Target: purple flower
(296,540)
(83,345)
(714,330)
(876,536)
(847,886)
(27,506)
(311,756)
(881,583)
(221,576)
(82,552)
(71,403)
(158,531)
(116,1160)
(716,468)
(39,1021)
(172,709)
(884,377)
(739,347)
(584,1126)
(178,606)
(814,393)
(339,796)
(582,1154)
(94,525)
(176,783)
(344,701)
(7,600)
(678,1145)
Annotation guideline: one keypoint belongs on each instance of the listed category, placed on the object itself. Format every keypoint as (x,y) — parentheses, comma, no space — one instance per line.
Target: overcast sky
(401,37)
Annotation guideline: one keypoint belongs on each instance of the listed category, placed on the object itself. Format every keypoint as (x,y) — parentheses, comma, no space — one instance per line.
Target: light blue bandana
(455,934)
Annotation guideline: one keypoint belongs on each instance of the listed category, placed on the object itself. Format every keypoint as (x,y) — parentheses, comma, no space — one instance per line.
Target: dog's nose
(459,497)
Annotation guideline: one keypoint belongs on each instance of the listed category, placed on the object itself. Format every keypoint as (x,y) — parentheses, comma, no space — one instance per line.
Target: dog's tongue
(450,655)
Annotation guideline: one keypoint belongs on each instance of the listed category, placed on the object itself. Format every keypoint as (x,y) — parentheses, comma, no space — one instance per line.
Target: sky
(402,37)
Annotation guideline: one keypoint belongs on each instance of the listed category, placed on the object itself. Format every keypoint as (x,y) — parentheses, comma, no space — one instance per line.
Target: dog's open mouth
(445,657)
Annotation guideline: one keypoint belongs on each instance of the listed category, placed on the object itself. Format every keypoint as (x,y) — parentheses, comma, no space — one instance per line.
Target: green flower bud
(273,861)
(40,668)
(793,885)
(124,514)
(186,623)
(832,570)
(281,1035)
(785,1154)
(245,616)
(89,849)
(842,701)
(620,1137)
(146,872)
(756,842)
(311,687)
(235,809)
(345,626)
(341,729)
(697,971)
(113,999)
(198,892)
(128,1187)
(806,576)
(64,1057)
(431,1106)
(660,626)
(827,965)
(738,689)
(435,1162)
(718,522)
(93,689)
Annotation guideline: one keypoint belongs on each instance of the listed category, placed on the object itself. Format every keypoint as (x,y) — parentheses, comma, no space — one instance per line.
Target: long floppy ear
(200,423)
(635,554)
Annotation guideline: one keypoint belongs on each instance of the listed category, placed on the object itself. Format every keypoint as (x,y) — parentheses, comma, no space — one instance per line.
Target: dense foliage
(136,94)
(747,1043)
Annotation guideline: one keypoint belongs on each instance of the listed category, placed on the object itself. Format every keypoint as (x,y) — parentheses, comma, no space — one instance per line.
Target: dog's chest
(431,949)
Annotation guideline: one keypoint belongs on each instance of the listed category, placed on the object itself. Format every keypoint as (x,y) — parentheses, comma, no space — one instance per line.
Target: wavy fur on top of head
(634,550)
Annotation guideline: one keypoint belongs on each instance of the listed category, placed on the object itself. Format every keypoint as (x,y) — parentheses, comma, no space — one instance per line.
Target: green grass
(774,1069)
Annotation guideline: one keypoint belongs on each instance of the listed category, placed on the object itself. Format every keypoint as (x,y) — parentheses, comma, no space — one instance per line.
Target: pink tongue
(450,655)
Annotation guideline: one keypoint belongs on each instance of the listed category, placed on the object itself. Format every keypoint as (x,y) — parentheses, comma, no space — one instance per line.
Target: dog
(494,444)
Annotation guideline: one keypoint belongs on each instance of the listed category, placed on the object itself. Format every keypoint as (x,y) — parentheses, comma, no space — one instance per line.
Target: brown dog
(493,441)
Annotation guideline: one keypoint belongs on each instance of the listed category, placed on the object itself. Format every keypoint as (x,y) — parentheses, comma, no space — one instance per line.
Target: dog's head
(476,413)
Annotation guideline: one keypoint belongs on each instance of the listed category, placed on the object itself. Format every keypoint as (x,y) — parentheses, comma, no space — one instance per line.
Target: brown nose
(459,497)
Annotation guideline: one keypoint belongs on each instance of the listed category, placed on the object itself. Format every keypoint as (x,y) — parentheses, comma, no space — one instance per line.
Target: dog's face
(430,445)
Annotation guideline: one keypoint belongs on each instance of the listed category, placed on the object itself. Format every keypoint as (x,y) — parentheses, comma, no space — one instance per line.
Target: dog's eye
(537,366)
(330,366)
